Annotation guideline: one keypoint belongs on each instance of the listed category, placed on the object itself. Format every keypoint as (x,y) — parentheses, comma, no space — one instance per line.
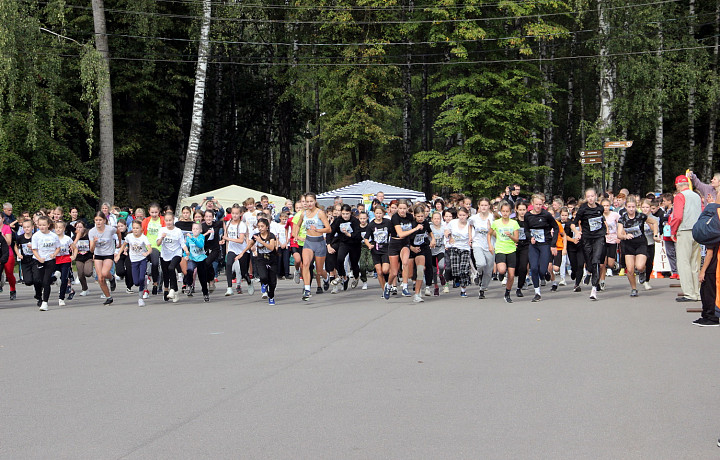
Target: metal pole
(307,160)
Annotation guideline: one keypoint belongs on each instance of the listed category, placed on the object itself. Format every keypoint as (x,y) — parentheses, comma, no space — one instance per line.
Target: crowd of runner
(416,250)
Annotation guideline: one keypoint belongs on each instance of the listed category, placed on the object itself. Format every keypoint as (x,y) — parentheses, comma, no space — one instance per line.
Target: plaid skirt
(460,265)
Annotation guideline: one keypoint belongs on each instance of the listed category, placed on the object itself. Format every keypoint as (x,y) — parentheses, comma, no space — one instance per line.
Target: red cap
(682,180)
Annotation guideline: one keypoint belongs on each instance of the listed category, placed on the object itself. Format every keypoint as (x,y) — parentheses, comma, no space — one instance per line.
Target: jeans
(539,256)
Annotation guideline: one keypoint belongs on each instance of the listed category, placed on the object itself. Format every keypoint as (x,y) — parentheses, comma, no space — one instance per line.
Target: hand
(629,236)
(419,227)
(507,233)
(532,240)
(415,249)
(553,251)
(492,249)
(313,228)
(674,238)
(41,260)
(701,276)
(95,239)
(330,249)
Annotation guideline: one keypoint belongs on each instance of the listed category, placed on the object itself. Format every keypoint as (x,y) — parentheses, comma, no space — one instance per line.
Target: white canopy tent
(356,193)
(231,194)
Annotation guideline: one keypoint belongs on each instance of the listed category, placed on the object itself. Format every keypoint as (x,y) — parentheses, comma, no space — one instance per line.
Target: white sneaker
(84,293)
(354,283)
(102,297)
(647,286)
(418,299)
(296,276)
(446,289)
(364,287)
(44,306)
(427,291)
(76,282)
(563,282)
(335,287)
(175,297)
(228,292)
(171,295)
(141,303)
(61,303)
(146,294)
(117,278)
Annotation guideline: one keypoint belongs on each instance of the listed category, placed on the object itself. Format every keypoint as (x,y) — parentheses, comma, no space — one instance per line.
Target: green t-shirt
(504,244)
(303,232)
(153,232)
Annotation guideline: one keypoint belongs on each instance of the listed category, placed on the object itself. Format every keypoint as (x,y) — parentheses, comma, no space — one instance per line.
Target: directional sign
(590,153)
(590,160)
(618,144)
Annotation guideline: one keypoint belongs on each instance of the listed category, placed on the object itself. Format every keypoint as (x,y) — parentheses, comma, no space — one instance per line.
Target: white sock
(537,290)
(404,285)
(307,287)
(462,289)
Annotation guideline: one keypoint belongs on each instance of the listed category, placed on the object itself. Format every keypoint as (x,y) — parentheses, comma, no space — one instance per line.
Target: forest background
(435,95)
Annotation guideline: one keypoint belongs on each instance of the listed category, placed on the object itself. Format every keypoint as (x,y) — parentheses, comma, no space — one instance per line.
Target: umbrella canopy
(359,192)
(231,194)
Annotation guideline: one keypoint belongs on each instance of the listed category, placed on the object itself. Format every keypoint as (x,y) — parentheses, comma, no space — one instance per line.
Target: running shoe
(335,288)
(634,293)
(211,286)
(141,303)
(537,298)
(238,288)
(271,302)
(306,295)
(548,277)
(354,283)
(176,297)
(553,288)
(61,303)
(84,293)
(593,293)
(165,296)
(146,294)
(171,295)
(417,298)
(263,291)
(39,302)
(563,282)
(674,276)
(393,290)
(436,293)
(108,301)
(319,290)
(501,277)
(70,296)
(586,281)
(602,285)
(507,298)
(446,289)
(519,293)
(386,292)
(155,289)
(251,287)
(113,283)
(463,294)
(481,294)
(13,295)
(704,322)
(543,282)
(102,297)
(364,287)
(206,298)
(642,277)
(577,289)
(647,286)
(128,291)
(427,291)
(345,284)
(406,293)
(190,291)
(43,306)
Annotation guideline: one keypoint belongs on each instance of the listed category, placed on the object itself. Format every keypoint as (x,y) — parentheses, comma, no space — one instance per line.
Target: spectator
(686,210)
(707,192)
(8,218)
(214,206)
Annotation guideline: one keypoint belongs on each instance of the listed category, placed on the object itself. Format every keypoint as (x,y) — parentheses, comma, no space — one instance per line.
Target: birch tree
(107,150)
(196,124)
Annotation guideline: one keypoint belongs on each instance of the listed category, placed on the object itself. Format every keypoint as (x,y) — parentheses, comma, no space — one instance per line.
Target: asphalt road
(354,376)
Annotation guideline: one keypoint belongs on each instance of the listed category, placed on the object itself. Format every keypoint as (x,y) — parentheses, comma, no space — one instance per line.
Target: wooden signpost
(588,157)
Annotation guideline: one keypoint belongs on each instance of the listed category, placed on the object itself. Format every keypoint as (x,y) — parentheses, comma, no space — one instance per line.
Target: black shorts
(379,259)
(415,254)
(611,250)
(396,246)
(97,257)
(294,250)
(508,259)
(632,248)
(557,260)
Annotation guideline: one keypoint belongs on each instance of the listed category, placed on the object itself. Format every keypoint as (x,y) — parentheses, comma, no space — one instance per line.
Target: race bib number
(381,236)
(595,223)
(196,251)
(634,231)
(137,249)
(419,240)
(309,223)
(538,234)
(27,249)
(406,227)
(83,246)
(345,227)
(522,235)
(103,243)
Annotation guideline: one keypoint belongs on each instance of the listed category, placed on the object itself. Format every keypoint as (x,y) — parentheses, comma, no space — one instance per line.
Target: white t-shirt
(106,243)
(278,230)
(137,247)
(250,219)
(172,244)
(65,242)
(234,231)
(481,227)
(461,236)
(45,244)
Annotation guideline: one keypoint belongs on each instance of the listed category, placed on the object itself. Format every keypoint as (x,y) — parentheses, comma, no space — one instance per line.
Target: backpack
(706,230)
(4,251)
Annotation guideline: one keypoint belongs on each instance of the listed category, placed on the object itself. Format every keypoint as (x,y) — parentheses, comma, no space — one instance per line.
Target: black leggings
(267,272)
(44,279)
(202,272)
(594,252)
(244,264)
(577,262)
(123,268)
(65,270)
(331,260)
(650,261)
(154,264)
(521,270)
(354,251)
(169,267)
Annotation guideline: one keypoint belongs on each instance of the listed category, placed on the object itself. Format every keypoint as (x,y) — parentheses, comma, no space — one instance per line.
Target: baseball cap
(285,209)
(681,179)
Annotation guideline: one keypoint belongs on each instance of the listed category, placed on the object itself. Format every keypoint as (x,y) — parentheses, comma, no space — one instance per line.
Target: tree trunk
(407,125)
(548,131)
(659,128)
(606,73)
(712,123)
(570,122)
(196,124)
(425,128)
(107,149)
(691,93)
(621,160)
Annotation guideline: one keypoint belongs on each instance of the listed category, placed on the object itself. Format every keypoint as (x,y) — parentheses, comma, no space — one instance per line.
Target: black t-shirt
(406,223)
(212,241)
(379,235)
(543,227)
(25,244)
(568,230)
(262,251)
(351,225)
(634,227)
(185,227)
(712,268)
(591,220)
(522,236)
(83,247)
(421,238)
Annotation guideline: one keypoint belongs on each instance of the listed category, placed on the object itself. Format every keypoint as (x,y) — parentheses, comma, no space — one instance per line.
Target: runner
(438,251)
(151,229)
(84,257)
(194,246)
(316,225)
(557,265)
(235,235)
(377,237)
(9,266)
(507,233)
(138,248)
(652,235)
(631,231)
(419,244)
(348,240)
(212,230)
(522,248)
(366,262)
(103,242)
(459,234)
(28,265)
(170,240)
(589,227)
(542,230)
(402,226)
(266,244)
(45,247)
(611,241)
(484,258)
(123,265)
(63,262)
